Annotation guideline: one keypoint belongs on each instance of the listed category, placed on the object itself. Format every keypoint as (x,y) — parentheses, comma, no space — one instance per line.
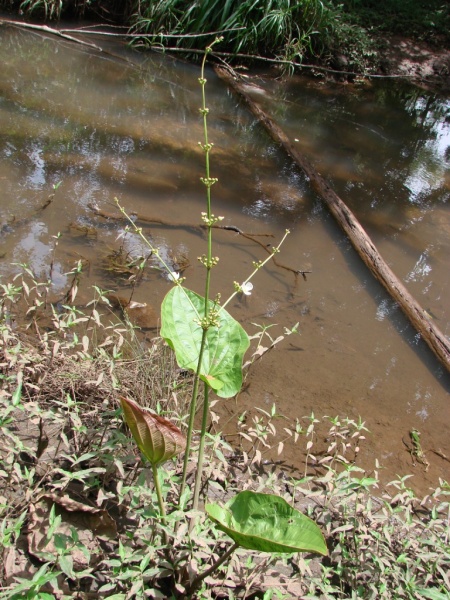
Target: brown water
(118,124)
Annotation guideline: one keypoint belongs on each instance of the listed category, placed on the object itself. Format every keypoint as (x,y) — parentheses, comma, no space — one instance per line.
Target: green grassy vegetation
(78,509)
(288,30)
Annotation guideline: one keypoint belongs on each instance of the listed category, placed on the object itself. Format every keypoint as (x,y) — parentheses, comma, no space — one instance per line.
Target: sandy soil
(418,62)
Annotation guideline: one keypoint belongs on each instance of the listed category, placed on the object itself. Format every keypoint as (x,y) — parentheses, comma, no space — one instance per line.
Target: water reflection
(421,269)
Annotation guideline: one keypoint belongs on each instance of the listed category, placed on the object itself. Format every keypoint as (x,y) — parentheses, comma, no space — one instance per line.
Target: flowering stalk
(208,319)
(247,287)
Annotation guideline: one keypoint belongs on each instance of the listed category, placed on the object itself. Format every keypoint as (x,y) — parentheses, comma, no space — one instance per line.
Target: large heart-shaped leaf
(267,523)
(225,346)
(157,438)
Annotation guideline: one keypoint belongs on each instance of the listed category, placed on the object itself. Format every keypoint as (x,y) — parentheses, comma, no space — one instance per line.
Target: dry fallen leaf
(16,563)
(90,523)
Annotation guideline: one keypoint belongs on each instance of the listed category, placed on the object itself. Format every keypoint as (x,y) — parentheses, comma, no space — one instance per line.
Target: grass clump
(284,28)
(287,31)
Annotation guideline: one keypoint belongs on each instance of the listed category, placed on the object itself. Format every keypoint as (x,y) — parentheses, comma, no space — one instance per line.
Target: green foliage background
(287,29)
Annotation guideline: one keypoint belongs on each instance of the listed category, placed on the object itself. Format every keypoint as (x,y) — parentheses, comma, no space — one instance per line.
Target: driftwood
(50,30)
(435,339)
(15,223)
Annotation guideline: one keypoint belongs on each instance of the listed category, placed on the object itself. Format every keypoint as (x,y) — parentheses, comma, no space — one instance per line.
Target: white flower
(247,288)
(173,276)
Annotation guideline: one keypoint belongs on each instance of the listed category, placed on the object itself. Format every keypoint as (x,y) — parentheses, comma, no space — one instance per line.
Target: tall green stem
(208,261)
(201,449)
(207,148)
(192,410)
(162,506)
(195,583)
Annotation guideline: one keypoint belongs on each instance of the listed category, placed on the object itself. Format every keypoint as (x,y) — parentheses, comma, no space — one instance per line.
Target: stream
(79,128)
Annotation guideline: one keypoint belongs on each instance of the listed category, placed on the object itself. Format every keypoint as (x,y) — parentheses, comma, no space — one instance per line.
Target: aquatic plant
(208,341)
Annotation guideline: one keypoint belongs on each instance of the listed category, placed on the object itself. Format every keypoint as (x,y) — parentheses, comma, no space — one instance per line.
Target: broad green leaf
(225,347)
(267,523)
(157,438)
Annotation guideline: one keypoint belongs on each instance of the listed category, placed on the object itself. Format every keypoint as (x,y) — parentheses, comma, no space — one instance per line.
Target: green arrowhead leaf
(225,347)
(267,523)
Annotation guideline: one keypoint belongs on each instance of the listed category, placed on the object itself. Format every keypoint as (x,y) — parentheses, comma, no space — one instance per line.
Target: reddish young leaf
(157,438)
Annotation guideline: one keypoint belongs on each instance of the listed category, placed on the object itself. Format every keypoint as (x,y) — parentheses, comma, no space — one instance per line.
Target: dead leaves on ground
(55,523)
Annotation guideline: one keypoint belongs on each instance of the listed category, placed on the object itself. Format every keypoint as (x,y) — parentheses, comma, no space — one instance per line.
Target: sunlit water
(99,126)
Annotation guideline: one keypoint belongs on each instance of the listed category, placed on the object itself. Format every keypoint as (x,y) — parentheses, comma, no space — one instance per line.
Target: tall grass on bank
(289,29)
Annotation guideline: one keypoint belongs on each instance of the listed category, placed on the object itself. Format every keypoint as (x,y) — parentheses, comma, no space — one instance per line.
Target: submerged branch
(200,228)
(51,30)
(276,61)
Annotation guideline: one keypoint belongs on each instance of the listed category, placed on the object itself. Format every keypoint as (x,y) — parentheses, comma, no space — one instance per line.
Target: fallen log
(366,249)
